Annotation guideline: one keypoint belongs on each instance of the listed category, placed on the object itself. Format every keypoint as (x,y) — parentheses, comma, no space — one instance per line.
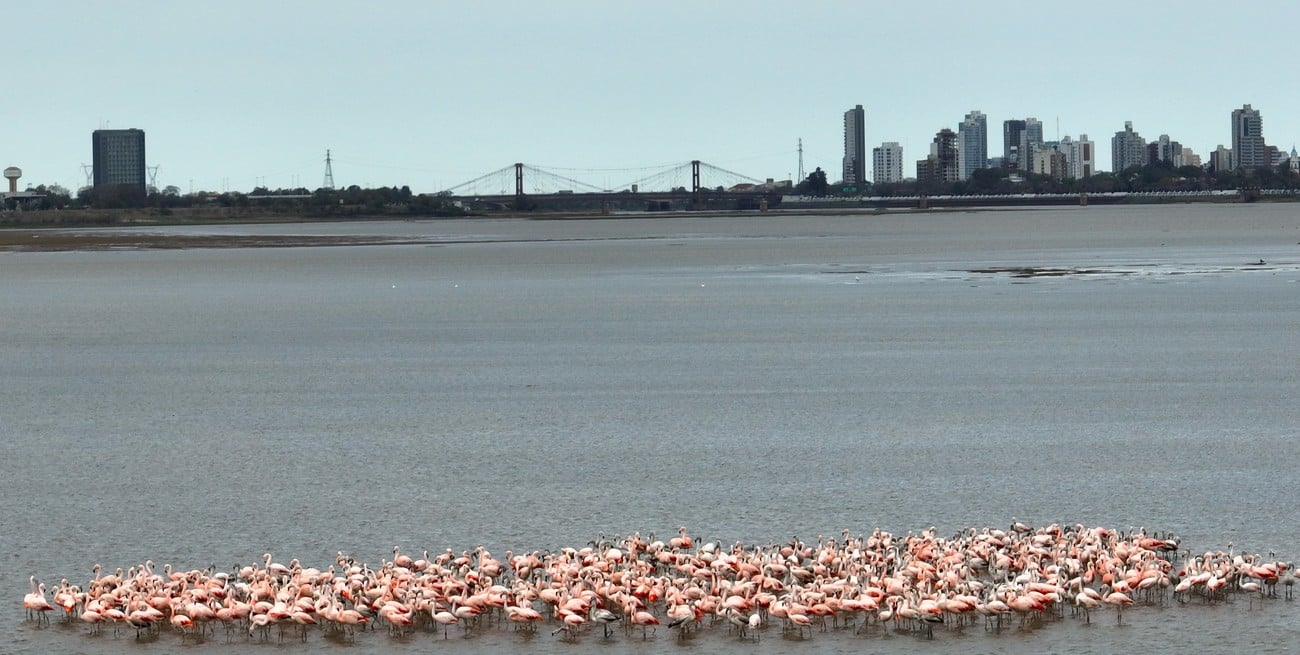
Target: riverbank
(72,230)
(89,229)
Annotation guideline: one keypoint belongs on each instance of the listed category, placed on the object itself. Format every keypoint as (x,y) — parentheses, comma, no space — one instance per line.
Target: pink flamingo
(350,619)
(525,616)
(1119,601)
(36,604)
(183,624)
(801,621)
(445,619)
(571,622)
(643,619)
(94,618)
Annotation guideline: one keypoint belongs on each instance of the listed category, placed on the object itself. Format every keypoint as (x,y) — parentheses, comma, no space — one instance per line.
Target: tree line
(344,201)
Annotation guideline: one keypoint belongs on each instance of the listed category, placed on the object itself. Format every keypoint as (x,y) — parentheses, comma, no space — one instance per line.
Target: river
(536,384)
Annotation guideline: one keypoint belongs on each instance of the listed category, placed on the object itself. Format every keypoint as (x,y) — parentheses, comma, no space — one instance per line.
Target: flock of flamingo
(917,583)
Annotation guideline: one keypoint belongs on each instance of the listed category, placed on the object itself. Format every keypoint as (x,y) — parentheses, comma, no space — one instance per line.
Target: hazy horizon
(240,94)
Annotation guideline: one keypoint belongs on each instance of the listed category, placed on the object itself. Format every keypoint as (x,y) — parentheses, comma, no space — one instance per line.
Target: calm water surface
(534,384)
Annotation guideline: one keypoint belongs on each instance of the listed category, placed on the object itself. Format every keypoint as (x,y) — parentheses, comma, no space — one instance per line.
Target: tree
(987,180)
(523,204)
(113,196)
(815,185)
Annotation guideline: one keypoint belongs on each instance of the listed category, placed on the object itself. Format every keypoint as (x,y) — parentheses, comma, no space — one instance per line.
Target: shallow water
(533,384)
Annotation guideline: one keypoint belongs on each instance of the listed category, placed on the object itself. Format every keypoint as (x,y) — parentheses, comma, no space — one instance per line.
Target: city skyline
(446,93)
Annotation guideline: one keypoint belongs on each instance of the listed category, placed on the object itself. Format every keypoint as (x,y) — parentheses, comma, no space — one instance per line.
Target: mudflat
(52,241)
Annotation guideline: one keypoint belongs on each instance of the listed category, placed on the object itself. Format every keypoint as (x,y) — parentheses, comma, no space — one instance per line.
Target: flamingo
(445,619)
(681,617)
(570,622)
(525,616)
(276,569)
(94,618)
(260,623)
(65,597)
(1117,600)
(605,617)
(350,619)
(1087,603)
(303,620)
(922,578)
(36,604)
(397,616)
(682,541)
(183,625)
(643,619)
(1251,588)
(737,621)
(117,616)
(141,620)
(801,621)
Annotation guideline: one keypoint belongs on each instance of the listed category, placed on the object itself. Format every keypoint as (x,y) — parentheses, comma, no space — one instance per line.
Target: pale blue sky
(431,94)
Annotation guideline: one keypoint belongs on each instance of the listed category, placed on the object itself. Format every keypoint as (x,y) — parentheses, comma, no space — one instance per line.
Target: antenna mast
(801,175)
(329,171)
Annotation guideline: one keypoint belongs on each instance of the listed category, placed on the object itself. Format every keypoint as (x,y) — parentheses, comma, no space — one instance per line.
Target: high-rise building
(1127,149)
(855,146)
(941,165)
(1247,138)
(887,163)
(118,157)
(1221,159)
(1031,139)
(972,144)
(1165,150)
(1011,131)
(1049,160)
(1080,156)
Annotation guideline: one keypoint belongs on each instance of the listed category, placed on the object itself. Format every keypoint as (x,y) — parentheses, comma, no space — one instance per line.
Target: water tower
(12,174)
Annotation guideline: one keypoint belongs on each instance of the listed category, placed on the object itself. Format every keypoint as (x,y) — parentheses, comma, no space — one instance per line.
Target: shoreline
(104,230)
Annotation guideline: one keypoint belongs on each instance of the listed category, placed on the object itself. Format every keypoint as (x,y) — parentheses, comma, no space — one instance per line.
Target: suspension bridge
(686,181)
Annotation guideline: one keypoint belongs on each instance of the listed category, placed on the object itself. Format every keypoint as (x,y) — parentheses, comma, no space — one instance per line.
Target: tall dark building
(118,157)
(1012,130)
(855,146)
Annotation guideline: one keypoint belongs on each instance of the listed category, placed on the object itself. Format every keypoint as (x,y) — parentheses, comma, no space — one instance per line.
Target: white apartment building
(1080,156)
(887,163)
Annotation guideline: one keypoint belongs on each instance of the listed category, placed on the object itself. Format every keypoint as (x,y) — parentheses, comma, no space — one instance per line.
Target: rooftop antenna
(801,175)
(329,171)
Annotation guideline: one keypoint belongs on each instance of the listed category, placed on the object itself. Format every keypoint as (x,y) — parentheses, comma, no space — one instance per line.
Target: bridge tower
(519,179)
(695,182)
